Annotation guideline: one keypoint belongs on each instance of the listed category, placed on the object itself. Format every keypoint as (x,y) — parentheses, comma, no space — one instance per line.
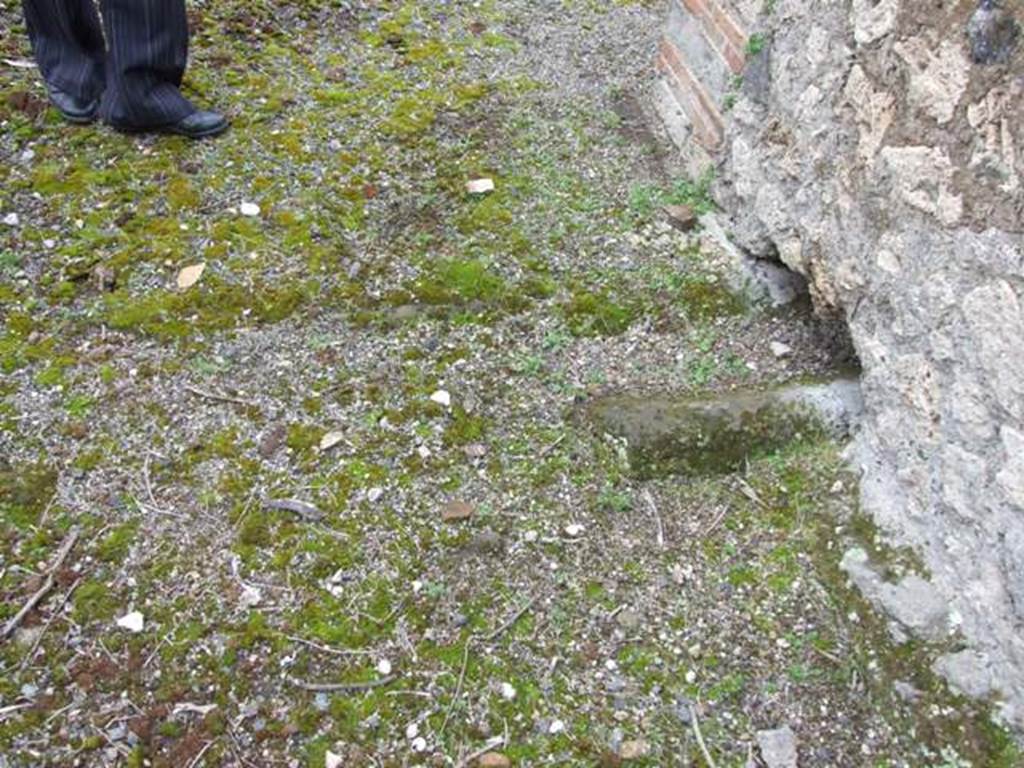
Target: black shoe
(72,108)
(199,125)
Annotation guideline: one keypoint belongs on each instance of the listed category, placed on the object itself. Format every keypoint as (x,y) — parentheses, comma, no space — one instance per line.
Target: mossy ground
(157,422)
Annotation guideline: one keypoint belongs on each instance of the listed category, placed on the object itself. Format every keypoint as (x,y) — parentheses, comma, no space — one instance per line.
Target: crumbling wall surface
(877,147)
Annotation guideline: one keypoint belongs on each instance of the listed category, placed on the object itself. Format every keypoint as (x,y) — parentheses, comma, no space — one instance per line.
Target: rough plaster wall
(868,152)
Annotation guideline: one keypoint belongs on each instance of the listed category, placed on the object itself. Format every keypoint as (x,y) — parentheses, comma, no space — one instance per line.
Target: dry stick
(217,397)
(717,521)
(199,756)
(56,612)
(458,688)
(494,743)
(62,554)
(515,617)
(328,649)
(345,687)
(700,738)
(551,447)
(4,711)
(750,493)
(657,518)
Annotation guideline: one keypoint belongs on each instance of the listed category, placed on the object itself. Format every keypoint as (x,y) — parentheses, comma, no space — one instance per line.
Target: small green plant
(755,44)
(645,200)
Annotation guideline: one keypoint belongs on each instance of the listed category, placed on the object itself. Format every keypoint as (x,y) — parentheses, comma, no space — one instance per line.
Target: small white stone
(441,397)
(332,760)
(556,726)
(574,530)
(419,744)
(531,536)
(412,731)
(249,209)
(12,220)
(331,439)
(384,667)
(508,693)
(251,596)
(691,677)
(133,622)
(480,186)
(374,495)
(610,665)
(780,350)
(423,451)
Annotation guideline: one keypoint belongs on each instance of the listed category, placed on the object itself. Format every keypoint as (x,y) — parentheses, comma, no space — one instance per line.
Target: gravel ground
(472,565)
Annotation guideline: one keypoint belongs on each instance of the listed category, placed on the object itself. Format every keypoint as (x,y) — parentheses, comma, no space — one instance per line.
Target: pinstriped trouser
(139,69)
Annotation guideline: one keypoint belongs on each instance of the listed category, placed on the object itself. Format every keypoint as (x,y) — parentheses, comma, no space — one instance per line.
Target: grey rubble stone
(913,602)
(968,672)
(778,747)
(993,33)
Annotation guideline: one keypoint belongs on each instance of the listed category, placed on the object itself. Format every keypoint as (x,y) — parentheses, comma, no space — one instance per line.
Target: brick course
(701,95)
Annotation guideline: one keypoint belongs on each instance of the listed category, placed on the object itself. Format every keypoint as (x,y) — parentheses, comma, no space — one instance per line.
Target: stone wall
(877,147)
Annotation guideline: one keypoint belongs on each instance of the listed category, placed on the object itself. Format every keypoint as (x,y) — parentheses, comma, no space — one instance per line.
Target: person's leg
(148,48)
(68,44)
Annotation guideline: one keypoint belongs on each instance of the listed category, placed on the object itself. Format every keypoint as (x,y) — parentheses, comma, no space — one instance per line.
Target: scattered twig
(44,590)
(328,649)
(304,510)
(58,713)
(514,618)
(657,518)
(155,651)
(49,621)
(369,685)
(199,755)
(458,688)
(700,738)
(217,397)
(717,521)
(551,447)
(383,622)
(830,656)
(12,708)
(495,743)
(749,492)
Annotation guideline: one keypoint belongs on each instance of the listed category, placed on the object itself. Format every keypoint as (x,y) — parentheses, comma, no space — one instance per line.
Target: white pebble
(249,209)
(412,731)
(507,691)
(12,220)
(384,667)
(556,727)
(574,530)
(133,622)
(441,397)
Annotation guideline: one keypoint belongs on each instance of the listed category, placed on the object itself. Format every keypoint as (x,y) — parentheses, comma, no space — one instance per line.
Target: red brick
(704,116)
(696,7)
(736,60)
(727,25)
